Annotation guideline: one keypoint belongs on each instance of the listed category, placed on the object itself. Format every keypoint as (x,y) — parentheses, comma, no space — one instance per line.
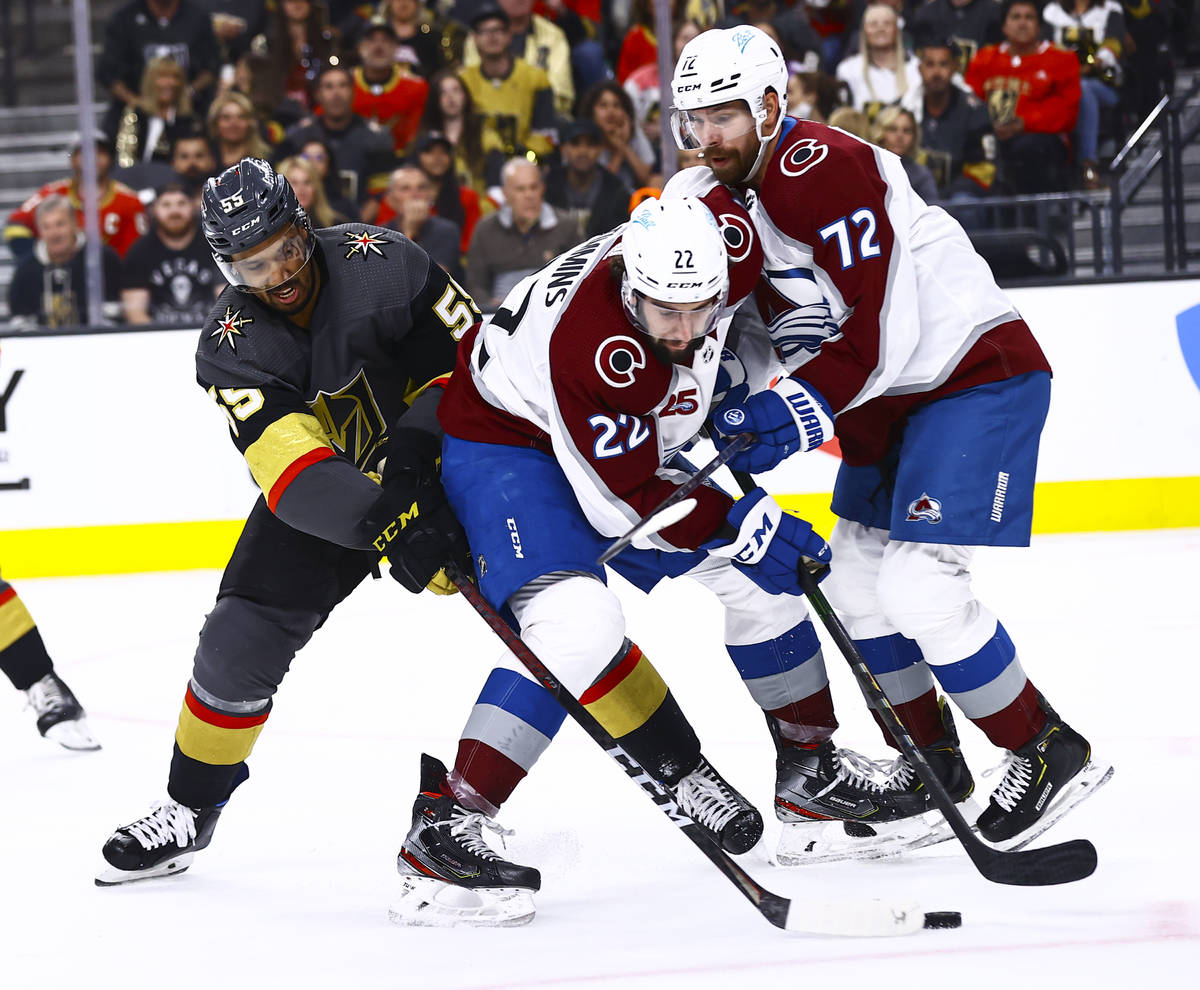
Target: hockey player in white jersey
(935,388)
(562,420)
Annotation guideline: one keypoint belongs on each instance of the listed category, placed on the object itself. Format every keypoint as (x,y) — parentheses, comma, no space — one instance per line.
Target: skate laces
(1017,778)
(167,820)
(706,799)
(864,773)
(467,828)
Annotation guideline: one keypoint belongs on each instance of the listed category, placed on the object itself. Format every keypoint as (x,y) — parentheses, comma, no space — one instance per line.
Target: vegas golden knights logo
(1002,102)
(351,419)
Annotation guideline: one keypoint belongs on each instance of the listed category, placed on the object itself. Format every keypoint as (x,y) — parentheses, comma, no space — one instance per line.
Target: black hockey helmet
(245,206)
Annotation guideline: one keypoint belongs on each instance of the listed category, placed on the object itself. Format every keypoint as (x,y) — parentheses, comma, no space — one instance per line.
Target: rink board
(113,460)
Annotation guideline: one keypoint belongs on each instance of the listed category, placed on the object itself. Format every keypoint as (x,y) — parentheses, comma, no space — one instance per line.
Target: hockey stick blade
(866,918)
(642,526)
(1046,866)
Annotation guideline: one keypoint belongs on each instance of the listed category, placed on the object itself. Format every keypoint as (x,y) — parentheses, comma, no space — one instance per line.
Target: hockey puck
(943,919)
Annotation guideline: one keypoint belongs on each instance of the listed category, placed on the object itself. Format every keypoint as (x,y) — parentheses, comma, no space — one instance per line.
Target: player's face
(727,136)
(277,272)
(676,329)
(174,213)
(936,66)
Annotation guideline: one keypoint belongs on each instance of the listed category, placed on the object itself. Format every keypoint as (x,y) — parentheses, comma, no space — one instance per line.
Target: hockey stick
(863,918)
(654,521)
(1062,863)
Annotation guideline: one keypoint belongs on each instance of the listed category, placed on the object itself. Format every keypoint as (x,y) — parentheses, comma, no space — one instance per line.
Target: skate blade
(73,734)
(939,831)
(431,903)
(112,877)
(1079,788)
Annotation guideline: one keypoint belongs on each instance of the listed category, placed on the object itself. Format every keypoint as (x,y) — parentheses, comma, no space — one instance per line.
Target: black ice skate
(837,804)
(161,843)
(1043,780)
(451,875)
(727,816)
(60,716)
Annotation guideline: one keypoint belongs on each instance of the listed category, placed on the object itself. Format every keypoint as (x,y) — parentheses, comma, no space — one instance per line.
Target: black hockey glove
(417,530)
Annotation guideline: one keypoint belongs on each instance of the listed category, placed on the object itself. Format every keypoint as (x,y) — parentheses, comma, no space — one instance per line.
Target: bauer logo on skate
(618,359)
(925,509)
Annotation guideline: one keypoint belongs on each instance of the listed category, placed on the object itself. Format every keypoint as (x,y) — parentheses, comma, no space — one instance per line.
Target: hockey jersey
(559,367)
(395,106)
(311,409)
(873,297)
(122,216)
(1041,88)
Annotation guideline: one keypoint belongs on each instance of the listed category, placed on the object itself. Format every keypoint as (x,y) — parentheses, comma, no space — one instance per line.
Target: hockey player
(932,383)
(562,422)
(327,354)
(25,662)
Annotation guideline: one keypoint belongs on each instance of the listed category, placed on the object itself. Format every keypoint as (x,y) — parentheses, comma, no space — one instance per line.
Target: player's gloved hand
(417,530)
(789,417)
(770,545)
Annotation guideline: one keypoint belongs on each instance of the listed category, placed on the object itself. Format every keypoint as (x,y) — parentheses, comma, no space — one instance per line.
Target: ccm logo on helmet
(246,226)
(618,359)
(684,285)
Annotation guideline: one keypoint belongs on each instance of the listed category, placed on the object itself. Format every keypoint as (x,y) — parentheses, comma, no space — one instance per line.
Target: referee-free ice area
(294,891)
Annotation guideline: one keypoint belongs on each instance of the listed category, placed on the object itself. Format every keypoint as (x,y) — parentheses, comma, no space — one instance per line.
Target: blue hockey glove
(791,417)
(770,545)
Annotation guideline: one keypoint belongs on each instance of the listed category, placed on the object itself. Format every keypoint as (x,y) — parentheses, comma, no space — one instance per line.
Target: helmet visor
(268,265)
(675,323)
(711,126)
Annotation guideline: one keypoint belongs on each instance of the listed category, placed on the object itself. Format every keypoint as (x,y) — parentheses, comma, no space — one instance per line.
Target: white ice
(295,888)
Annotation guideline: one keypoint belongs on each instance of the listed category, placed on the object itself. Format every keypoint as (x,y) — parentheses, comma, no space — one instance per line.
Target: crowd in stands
(498,133)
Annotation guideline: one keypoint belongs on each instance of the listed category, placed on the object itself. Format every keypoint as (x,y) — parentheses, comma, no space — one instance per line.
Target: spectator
(310,193)
(146,130)
(626,153)
(122,216)
(478,156)
(513,97)
(852,122)
(300,44)
(254,76)
(580,22)
(1150,60)
(956,132)
(882,71)
(518,238)
(540,43)
(895,129)
(968,25)
(418,41)
(1031,90)
(386,93)
(854,37)
(580,187)
(235,24)
(233,129)
(169,276)
(639,46)
(192,158)
(364,157)
(1094,30)
(451,200)
(642,83)
(319,154)
(798,38)
(830,18)
(49,287)
(410,197)
(812,95)
(145,29)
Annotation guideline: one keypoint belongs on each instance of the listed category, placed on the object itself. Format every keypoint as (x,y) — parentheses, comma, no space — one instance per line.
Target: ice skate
(157,845)
(1043,780)
(60,717)
(837,804)
(727,816)
(451,876)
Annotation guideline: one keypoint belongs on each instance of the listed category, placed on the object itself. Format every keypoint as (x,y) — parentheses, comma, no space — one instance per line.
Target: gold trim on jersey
(15,621)
(288,438)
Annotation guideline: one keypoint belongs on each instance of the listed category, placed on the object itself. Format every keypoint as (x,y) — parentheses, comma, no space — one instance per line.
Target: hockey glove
(789,417)
(769,545)
(417,530)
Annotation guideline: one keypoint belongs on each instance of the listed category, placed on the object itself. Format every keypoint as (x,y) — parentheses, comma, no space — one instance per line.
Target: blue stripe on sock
(785,652)
(888,654)
(525,699)
(980,668)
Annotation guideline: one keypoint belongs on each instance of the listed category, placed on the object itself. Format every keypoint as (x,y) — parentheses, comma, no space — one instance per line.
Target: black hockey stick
(867,917)
(1062,863)
(653,521)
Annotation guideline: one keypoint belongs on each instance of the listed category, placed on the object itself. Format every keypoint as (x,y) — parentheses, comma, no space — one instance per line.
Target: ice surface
(294,890)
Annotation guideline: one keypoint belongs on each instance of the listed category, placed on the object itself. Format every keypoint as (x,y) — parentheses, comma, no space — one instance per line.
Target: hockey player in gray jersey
(327,355)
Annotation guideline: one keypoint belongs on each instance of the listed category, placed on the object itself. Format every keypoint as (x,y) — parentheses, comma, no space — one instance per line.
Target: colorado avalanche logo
(618,359)
(802,156)
(795,312)
(738,235)
(925,509)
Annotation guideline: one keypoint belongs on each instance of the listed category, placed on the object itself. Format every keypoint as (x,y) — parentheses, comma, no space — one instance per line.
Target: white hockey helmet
(720,65)
(674,253)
